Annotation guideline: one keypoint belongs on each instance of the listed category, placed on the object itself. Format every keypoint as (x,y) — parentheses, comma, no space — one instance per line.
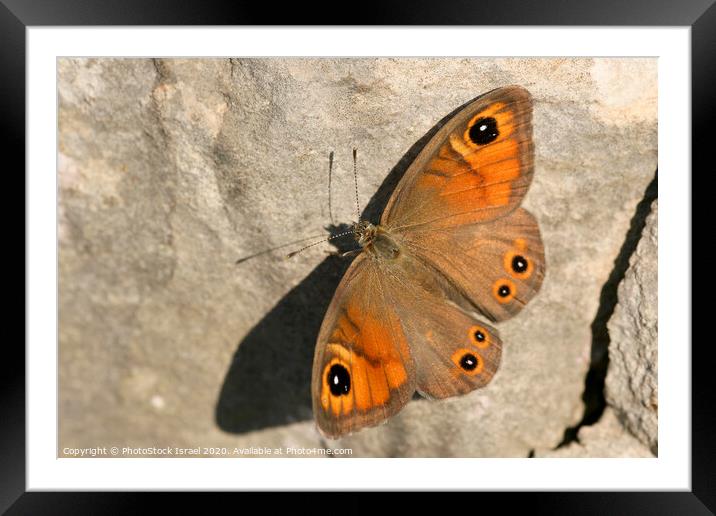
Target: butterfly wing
(454,351)
(496,267)
(457,205)
(477,167)
(363,371)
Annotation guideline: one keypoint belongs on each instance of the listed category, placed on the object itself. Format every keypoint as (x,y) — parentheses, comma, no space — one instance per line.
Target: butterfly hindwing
(454,351)
(498,266)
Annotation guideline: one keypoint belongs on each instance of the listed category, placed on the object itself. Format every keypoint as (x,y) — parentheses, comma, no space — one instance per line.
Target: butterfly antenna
(355,181)
(330,175)
(272,249)
(294,253)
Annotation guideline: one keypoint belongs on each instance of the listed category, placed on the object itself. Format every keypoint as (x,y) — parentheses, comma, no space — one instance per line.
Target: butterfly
(453,253)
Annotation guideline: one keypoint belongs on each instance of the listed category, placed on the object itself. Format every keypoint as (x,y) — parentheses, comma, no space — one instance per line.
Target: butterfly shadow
(269,379)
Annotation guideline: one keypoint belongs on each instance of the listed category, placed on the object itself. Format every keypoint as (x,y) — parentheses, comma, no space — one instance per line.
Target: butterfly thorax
(376,240)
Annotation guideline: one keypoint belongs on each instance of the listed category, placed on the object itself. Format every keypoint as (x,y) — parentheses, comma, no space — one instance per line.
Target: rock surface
(606,438)
(170,170)
(631,386)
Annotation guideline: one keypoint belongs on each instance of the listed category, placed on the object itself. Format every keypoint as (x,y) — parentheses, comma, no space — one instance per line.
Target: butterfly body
(376,241)
(452,254)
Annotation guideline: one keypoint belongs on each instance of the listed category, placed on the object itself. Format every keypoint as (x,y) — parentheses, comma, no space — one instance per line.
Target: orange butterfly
(452,251)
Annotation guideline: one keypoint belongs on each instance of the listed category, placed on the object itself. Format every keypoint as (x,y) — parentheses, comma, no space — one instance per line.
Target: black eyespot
(339,381)
(519,264)
(479,336)
(503,291)
(484,131)
(468,362)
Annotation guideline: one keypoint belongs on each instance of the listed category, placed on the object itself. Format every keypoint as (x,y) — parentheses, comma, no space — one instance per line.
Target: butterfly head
(364,232)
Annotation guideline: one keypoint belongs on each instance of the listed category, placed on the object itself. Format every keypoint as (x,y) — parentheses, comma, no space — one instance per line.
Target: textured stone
(631,385)
(170,170)
(606,438)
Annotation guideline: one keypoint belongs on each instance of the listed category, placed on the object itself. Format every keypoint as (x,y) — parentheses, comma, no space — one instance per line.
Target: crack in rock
(593,396)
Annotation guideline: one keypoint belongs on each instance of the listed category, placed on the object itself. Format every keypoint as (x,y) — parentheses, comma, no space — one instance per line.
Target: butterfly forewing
(477,167)
(363,371)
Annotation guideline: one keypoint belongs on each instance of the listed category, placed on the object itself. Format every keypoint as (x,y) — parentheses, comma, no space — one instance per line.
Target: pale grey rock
(631,385)
(170,170)
(606,438)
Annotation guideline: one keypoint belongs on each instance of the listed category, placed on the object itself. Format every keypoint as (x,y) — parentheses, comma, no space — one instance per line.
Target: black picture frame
(17,15)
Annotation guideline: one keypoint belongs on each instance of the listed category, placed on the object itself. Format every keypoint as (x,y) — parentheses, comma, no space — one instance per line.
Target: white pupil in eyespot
(483,127)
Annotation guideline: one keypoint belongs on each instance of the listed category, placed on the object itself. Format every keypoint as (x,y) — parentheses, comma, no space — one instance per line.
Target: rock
(170,170)
(631,385)
(606,438)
